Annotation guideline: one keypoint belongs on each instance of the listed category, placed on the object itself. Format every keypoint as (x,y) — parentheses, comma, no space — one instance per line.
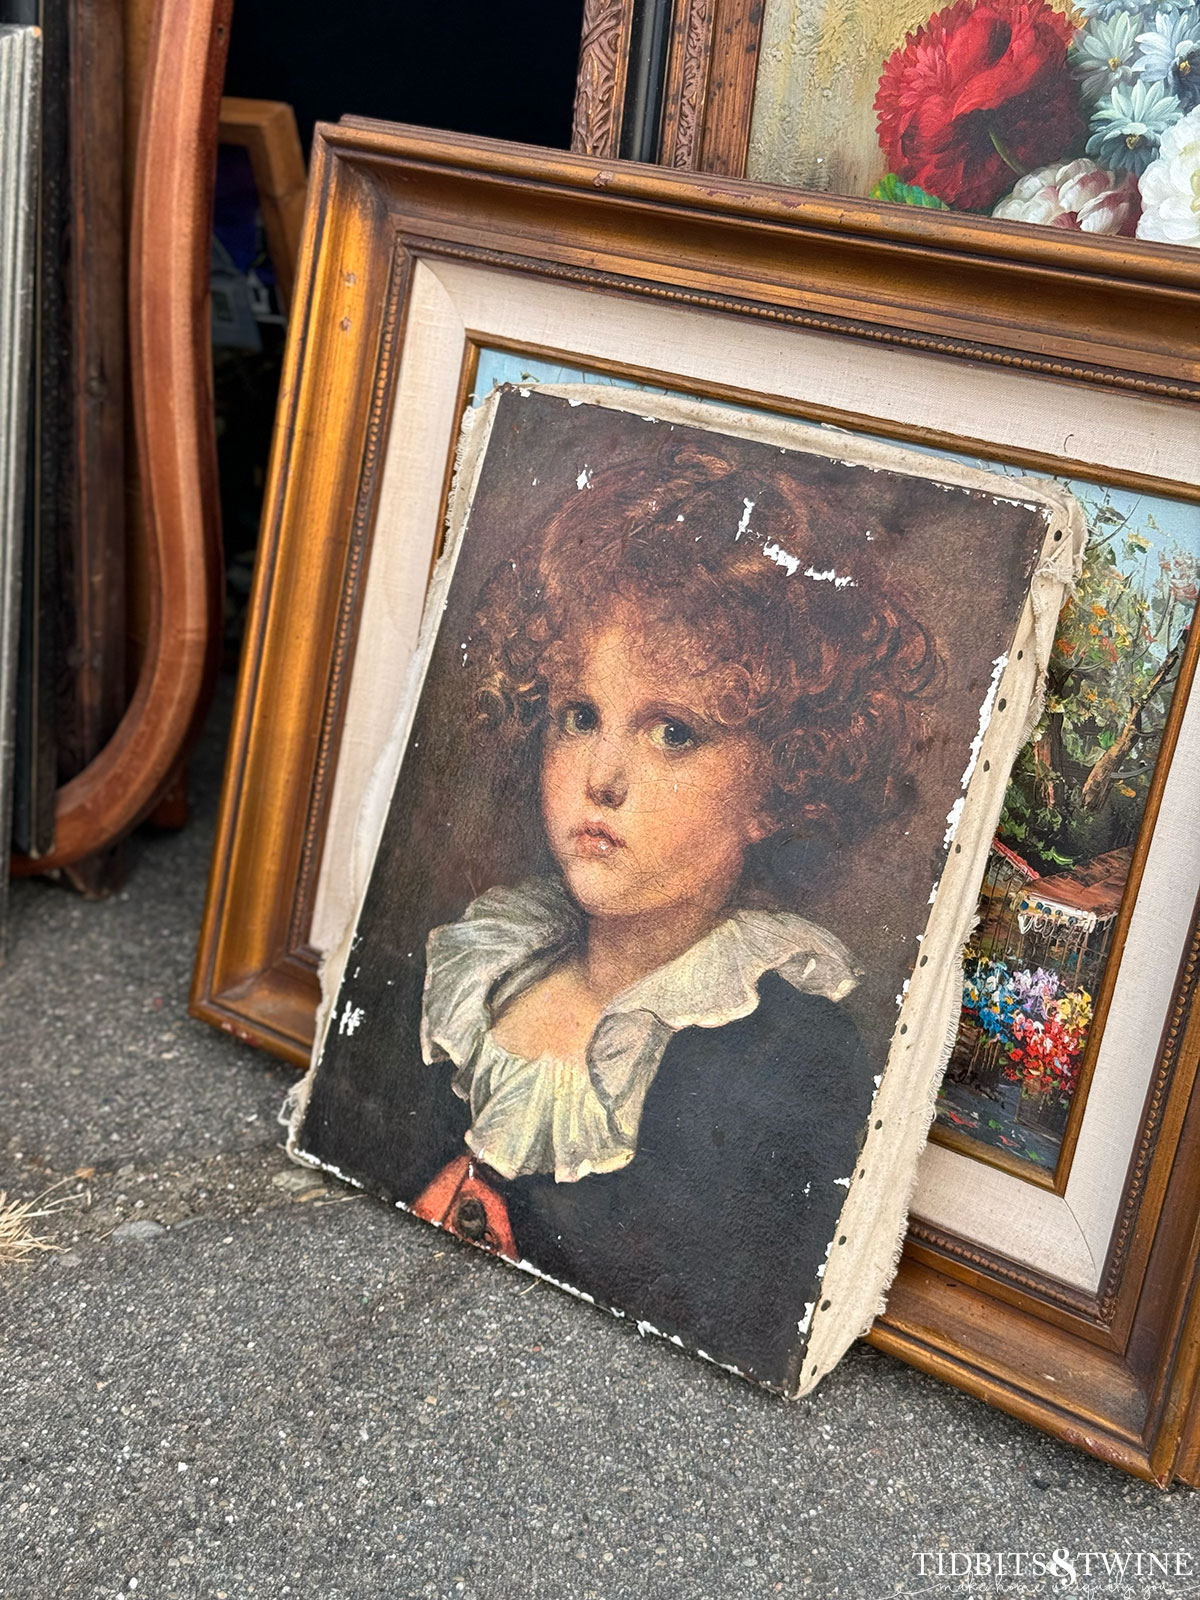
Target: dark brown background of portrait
(959,560)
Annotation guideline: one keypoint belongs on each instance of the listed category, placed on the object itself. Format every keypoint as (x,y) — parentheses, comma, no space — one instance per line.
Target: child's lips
(594,840)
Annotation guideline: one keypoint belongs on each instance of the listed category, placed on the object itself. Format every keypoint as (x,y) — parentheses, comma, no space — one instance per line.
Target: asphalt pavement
(236,1380)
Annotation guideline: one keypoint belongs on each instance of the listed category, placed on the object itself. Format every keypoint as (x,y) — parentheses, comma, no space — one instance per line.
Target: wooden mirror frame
(170,364)
(266,130)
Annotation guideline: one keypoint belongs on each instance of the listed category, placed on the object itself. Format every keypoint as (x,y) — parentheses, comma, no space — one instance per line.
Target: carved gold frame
(708,91)
(1114,1371)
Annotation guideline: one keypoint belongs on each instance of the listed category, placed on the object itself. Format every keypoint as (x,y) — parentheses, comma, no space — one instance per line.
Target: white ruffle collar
(574,1118)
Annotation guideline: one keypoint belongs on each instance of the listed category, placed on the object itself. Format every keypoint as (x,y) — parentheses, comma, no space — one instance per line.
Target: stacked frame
(422,253)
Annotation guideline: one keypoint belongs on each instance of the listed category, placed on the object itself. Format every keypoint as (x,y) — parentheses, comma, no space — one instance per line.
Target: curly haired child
(647,1049)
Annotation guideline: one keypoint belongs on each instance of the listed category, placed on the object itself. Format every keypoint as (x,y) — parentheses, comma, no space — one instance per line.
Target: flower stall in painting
(1057,873)
(1087,119)
(1029,981)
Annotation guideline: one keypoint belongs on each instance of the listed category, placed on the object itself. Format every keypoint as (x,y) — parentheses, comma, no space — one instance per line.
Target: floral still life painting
(1083,117)
(670,870)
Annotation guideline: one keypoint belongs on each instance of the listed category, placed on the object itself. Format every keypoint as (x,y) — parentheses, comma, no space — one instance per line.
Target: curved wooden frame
(171,372)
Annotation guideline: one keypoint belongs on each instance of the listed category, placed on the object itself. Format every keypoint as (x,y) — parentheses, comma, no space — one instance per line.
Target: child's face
(648,804)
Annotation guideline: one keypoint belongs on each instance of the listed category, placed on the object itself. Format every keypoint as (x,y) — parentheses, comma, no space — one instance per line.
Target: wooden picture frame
(20,129)
(423,250)
(71,675)
(266,130)
(791,93)
(694,113)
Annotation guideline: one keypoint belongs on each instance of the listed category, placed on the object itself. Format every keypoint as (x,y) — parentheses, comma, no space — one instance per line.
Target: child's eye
(672,734)
(581,718)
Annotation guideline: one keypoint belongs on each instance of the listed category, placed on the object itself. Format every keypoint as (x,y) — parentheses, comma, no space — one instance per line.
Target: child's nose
(607,783)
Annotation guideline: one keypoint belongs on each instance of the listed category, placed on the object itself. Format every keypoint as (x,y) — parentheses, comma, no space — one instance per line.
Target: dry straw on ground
(18,1238)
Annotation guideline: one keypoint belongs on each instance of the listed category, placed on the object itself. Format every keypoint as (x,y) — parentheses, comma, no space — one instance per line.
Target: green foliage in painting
(890,187)
(1079,787)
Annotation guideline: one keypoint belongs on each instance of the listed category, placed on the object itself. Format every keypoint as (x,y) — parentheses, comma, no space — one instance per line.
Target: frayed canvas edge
(469,457)
(1053,580)
(830,444)
(644,1328)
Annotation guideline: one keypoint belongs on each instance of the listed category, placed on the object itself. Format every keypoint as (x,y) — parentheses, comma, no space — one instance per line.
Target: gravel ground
(236,1380)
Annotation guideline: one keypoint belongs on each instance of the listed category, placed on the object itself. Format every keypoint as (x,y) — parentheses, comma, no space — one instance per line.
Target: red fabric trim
(460,1201)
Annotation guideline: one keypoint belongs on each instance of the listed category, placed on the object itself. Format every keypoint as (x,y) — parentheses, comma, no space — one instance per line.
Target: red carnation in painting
(980,93)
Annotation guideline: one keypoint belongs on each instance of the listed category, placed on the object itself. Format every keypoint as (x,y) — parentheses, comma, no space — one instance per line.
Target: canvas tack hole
(879,1125)
(1000,704)
(958,849)
(987,767)
(842,1240)
(923,961)
(824,1305)
(904,1027)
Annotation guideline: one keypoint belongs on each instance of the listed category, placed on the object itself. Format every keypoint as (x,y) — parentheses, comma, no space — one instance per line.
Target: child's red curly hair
(735,577)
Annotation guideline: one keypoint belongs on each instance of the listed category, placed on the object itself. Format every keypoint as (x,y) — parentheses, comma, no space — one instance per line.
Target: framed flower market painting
(1037,971)
(1081,117)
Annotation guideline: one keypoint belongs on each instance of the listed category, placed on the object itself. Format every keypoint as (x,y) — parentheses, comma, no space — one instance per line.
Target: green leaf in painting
(890,187)
(1078,788)
(1056,857)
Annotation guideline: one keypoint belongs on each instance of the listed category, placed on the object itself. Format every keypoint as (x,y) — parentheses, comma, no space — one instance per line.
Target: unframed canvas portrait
(680,784)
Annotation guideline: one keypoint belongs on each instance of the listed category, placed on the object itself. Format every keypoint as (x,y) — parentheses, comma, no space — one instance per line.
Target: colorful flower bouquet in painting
(1088,120)
(1025,1027)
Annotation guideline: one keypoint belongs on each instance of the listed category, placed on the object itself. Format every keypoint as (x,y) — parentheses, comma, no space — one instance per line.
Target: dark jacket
(717,1229)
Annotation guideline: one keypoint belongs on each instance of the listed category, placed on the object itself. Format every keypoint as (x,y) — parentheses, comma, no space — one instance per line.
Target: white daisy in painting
(1104,10)
(1128,125)
(1103,53)
(1171,187)
(1169,53)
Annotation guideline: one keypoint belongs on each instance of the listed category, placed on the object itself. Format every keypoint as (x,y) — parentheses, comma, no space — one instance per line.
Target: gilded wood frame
(1114,1371)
